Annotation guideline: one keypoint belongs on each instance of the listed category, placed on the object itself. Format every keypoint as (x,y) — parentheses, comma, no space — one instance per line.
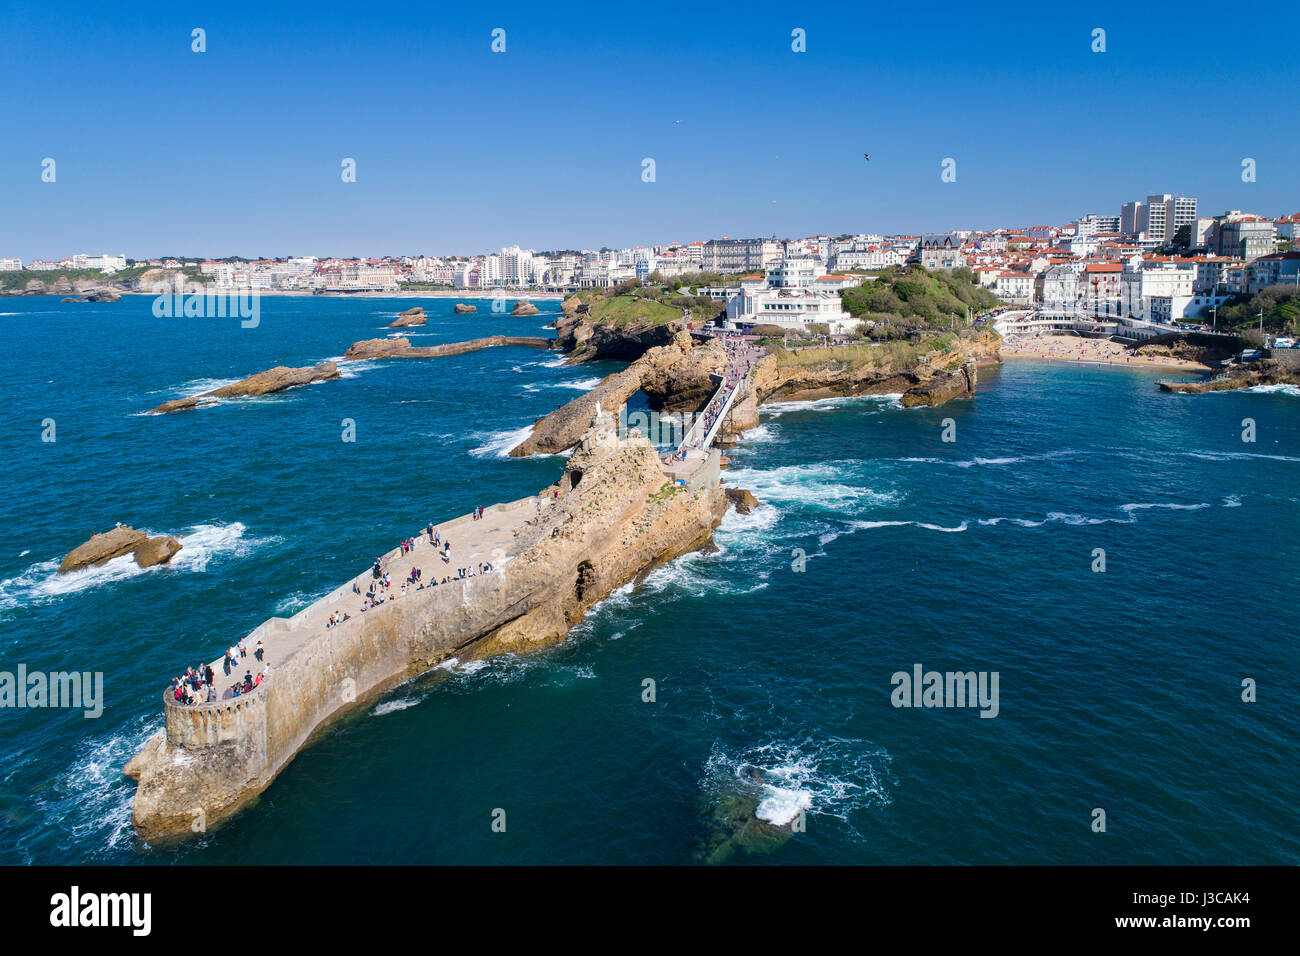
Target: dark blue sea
(1119,690)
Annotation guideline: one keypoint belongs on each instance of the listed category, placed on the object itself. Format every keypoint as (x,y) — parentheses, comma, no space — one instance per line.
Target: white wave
(1172,507)
(41,583)
(1235,456)
(1292,390)
(762,434)
(890,399)
(1232,501)
(393,706)
(833,777)
(92,799)
(200,385)
(822,485)
(499,444)
(583,385)
(1002,460)
(871,525)
(353,368)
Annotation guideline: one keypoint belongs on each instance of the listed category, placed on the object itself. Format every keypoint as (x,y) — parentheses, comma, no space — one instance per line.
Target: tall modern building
(1091,225)
(1159,218)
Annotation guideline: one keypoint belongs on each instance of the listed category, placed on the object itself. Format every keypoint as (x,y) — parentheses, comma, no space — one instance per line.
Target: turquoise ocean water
(1118,690)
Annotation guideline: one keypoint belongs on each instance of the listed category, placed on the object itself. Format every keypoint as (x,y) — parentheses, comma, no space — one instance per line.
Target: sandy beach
(1069,348)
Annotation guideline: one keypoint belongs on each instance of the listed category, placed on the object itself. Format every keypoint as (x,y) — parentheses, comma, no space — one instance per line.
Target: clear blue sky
(237,150)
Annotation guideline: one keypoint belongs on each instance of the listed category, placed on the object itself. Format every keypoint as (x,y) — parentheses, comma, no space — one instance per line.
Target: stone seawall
(616,515)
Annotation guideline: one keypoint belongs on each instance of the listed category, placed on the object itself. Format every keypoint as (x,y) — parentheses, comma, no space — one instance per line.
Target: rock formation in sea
(742,500)
(524,307)
(613,515)
(409,318)
(121,540)
(563,427)
(263,383)
(1268,371)
(462,308)
(587,340)
(402,348)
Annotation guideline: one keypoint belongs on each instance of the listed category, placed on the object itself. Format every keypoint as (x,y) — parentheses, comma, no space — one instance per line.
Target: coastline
(467,295)
(1076,351)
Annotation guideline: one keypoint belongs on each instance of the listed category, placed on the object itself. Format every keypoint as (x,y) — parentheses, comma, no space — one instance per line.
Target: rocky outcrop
(616,516)
(524,307)
(462,309)
(263,383)
(743,501)
(1263,372)
(942,377)
(1190,347)
(92,295)
(409,318)
(942,386)
(402,348)
(587,340)
(564,427)
(121,540)
(157,550)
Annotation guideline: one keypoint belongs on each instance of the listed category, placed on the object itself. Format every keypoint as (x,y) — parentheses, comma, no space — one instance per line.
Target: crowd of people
(740,362)
(198,685)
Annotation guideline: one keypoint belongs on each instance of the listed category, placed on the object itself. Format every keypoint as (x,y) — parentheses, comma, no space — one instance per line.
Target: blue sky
(237,151)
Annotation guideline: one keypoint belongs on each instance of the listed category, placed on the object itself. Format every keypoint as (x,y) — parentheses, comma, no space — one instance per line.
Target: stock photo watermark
(67,690)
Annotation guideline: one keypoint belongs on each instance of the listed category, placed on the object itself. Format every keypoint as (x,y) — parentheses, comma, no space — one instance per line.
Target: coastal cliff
(612,515)
(598,328)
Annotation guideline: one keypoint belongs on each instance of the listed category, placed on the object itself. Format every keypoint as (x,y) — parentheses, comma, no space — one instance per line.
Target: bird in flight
(866,156)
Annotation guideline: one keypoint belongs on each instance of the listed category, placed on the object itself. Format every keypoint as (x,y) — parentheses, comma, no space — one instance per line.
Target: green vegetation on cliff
(628,304)
(125,277)
(1279,303)
(903,300)
(898,355)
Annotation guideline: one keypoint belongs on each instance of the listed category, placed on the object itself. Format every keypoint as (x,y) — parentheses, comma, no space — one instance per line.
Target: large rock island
(612,515)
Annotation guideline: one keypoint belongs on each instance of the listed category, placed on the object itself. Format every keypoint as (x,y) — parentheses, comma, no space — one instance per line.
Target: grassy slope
(917,298)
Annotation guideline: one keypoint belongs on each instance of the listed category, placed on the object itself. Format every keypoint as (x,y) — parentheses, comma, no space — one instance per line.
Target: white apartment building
(793,309)
(799,272)
(1159,218)
(873,257)
(11,265)
(104,263)
(1091,225)
(942,252)
(740,255)
(1144,280)
(1014,286)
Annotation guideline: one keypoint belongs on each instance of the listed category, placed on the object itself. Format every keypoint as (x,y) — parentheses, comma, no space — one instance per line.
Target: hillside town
(1158,262)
